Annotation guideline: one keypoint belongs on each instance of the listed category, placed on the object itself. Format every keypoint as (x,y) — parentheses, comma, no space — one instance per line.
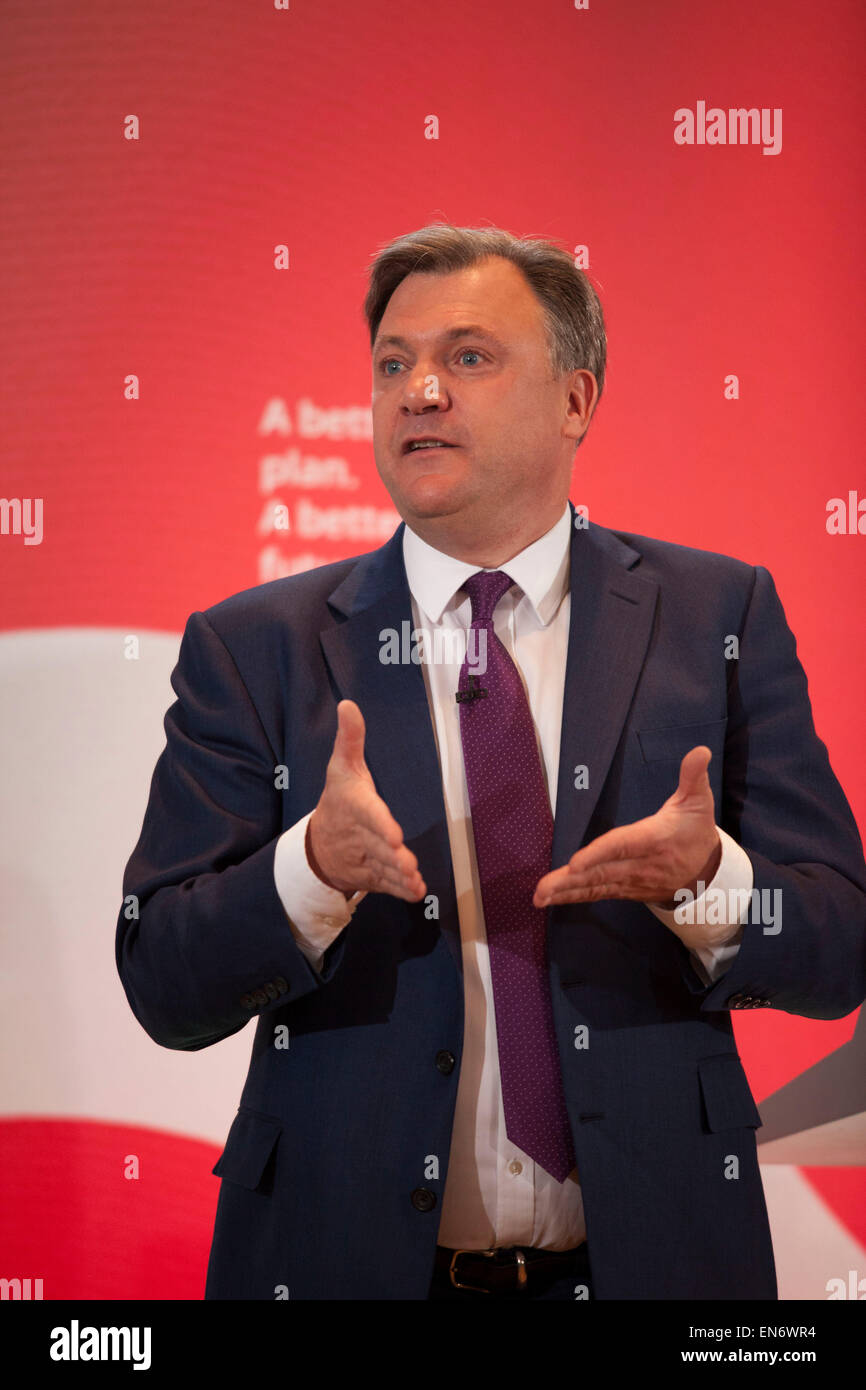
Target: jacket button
(423,1199)
(736,1001)
(260,997)
(248,1001)
(271,990)
(282,986)
(445,1062)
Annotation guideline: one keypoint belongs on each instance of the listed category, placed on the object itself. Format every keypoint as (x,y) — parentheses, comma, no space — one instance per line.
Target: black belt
(508,1269)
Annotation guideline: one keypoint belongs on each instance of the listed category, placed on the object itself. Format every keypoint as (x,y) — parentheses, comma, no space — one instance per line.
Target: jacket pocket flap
(249,1145)
(728,1102)
(674,743)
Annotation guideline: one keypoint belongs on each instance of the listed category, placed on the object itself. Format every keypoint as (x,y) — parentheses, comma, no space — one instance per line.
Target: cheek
(507,417)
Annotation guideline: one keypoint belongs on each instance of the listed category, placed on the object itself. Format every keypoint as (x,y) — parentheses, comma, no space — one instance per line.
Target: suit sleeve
(203,941)
(803,947)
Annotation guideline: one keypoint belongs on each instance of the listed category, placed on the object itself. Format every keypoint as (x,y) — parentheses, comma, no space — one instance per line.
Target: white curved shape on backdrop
(80,733)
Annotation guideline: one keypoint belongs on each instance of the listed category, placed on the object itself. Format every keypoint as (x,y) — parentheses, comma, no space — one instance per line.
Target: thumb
(348,754)
(694,778)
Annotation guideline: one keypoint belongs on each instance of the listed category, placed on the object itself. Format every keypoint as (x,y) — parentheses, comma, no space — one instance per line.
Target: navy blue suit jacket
(324,1193)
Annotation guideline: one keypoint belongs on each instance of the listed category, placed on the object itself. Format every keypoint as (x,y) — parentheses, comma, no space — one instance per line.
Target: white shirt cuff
(317,914)
(726,900)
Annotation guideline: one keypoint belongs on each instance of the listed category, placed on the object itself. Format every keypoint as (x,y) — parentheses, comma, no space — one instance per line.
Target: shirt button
(515,1167)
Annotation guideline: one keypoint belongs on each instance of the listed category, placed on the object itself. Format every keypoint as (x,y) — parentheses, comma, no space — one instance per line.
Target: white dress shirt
(494,1193)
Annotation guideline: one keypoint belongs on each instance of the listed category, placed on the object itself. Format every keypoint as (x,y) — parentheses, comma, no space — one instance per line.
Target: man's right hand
(355,841)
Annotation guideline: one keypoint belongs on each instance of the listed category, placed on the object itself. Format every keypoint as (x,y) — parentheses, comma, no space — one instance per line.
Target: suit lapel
(400,746)
(609,630)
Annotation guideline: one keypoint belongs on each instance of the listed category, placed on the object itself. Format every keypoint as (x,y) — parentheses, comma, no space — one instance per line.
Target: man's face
(488,394)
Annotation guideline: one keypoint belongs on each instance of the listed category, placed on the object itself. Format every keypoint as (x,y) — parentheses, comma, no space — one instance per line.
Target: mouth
(426,446)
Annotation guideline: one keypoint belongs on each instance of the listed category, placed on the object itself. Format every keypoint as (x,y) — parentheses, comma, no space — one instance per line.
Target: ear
(580,403)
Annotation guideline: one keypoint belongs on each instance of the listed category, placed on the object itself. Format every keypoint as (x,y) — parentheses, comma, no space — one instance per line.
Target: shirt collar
(541,571)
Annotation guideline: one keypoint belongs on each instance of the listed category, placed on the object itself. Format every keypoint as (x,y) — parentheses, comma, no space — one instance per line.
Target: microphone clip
(475,692)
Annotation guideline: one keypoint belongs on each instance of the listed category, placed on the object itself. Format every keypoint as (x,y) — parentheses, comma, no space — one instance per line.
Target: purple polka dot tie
(512,827)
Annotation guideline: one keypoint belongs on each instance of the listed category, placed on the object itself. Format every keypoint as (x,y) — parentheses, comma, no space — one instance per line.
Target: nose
(422,390)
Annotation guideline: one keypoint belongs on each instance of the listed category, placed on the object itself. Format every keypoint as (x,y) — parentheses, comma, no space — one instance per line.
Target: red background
(306,127)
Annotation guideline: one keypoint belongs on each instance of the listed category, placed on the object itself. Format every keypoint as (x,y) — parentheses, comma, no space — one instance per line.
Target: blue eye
(389,361)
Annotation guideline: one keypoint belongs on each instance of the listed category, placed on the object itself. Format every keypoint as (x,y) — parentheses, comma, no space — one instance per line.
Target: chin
(431,492)
(442,502)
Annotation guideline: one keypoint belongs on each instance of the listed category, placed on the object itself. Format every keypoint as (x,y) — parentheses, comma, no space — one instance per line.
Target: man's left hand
(651,859)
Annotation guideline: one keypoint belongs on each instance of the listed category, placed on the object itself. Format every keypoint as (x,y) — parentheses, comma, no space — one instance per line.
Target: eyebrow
(468,330)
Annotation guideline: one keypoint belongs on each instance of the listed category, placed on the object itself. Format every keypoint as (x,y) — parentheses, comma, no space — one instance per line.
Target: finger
(411,892)
(637,877)
(375,847)
(637,880)
(384,878)
(401,861)
(348,751)
(550,883)
(592,895)
(694,777)
(645,880)
(559,881)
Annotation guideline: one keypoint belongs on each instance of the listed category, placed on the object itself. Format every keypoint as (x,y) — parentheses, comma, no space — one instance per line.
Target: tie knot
(485,589)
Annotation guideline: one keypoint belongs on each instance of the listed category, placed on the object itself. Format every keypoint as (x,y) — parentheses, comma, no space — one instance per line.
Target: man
(494,1054)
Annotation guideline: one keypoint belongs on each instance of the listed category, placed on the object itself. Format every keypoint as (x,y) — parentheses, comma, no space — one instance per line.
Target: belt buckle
(520,1261)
